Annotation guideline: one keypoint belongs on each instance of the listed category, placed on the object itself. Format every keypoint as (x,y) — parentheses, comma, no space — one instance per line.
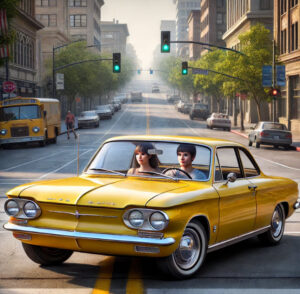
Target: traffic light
(165,42)
(116,62)
(151,71)
(139,71)
(274,92)
(184,69)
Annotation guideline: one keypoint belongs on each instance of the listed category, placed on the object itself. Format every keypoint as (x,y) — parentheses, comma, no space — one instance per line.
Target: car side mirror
(231,177)
(45,113)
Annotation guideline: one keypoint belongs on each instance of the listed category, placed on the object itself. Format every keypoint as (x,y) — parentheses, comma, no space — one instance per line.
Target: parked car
(112,108)
(186,108)
(219,120)
(176,220)
(117,105)
(270,133)
(88,119)
(199,110)
(179,105)
(104,111)
(173,99)
(136,96)
(122,97)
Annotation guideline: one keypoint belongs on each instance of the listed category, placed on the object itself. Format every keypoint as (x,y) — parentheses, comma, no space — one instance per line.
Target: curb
(245,136)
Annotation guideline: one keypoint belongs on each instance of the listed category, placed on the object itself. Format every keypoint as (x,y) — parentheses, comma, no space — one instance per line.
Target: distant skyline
(143,18)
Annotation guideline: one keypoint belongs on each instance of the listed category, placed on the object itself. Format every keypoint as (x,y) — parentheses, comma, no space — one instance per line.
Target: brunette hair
(187,148)
(144,147)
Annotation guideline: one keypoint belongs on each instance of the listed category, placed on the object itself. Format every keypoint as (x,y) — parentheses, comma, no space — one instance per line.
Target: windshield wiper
(159,174)
(108,170)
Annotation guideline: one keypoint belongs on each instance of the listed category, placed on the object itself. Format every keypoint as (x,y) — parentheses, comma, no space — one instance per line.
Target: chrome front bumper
(21,140)
(90,236)
(297,205)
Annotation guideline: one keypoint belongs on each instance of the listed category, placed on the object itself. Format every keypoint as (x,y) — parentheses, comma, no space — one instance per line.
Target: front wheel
(274,235)
(190,254)
(46,255)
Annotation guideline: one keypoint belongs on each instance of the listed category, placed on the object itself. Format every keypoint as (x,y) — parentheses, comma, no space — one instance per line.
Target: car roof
(177,139)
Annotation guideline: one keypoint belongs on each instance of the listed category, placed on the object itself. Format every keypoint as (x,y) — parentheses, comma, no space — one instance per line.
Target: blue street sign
(280,75)
(199,71)
(267,76)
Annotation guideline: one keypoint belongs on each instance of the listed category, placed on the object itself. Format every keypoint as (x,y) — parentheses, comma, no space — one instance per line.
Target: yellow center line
(135,282)
(148,118)
(103,282)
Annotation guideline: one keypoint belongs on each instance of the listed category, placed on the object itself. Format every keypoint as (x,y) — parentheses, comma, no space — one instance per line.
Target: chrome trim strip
(297,205)
(237,239)
(77,214)
(92,236)
(21,139)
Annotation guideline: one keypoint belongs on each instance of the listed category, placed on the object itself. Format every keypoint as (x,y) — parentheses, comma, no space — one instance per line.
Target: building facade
(241,15)
(194,34)
(212,23)
(286,36)
(24,62)
(114,36)
(183,10)
(169,25)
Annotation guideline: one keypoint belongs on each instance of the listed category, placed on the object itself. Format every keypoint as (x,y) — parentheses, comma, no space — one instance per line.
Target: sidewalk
(247,126)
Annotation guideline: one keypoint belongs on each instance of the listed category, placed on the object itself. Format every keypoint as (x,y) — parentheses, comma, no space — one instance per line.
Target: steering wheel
(176,168)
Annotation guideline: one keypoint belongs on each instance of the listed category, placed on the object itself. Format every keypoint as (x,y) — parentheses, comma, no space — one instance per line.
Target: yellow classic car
(143,202)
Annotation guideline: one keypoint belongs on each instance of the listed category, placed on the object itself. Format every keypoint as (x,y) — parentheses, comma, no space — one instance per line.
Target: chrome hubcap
(277,223)
(187,254)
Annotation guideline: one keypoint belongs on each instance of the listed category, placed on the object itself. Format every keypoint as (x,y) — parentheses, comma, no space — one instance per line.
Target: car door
(237,205)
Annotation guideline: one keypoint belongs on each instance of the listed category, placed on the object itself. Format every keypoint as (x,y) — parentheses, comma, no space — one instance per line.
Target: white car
(88,119)
(104,111)
(219,120)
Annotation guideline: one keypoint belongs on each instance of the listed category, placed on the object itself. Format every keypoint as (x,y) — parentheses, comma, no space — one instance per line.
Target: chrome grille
(146,234)
(19,131)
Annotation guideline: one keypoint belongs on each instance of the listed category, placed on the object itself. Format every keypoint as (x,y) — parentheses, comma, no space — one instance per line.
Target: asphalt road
(246,267)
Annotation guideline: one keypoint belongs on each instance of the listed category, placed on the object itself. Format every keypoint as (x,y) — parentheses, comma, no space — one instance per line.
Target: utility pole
(273,84)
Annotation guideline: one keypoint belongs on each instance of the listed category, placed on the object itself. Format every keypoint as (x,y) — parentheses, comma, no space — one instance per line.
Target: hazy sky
(143,19)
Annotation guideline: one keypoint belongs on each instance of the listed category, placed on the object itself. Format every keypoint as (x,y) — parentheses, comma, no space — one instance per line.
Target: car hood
(87,118)
(113,192)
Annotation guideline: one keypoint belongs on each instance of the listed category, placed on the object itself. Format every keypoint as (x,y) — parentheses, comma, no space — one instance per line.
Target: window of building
(48,20)
(294,36)
(45,2)
(219,35)
(295,99)
(78,37)
(77,3)
(23,51)
(293,2)
(265,4)
(220,3)
(283,42)
(78,20)
(283,6)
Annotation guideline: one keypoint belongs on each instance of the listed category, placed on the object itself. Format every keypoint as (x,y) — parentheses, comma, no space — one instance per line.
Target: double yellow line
(134,283)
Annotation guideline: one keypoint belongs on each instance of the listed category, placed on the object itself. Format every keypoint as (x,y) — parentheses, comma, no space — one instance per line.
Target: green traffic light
(184,71)
(117,67)
(166,48)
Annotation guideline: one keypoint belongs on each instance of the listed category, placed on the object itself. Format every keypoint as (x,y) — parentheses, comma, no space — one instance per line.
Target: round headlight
(36,129)
(30,209)
(12,208)
(158,221)
(3,132)
(136,218)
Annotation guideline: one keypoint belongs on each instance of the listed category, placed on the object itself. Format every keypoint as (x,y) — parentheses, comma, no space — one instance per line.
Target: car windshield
(273,126)
(119,157)
(20,112)
(88,113)
(201,106)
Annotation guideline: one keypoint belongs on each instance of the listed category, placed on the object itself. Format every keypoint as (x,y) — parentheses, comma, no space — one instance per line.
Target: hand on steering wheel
(176,168)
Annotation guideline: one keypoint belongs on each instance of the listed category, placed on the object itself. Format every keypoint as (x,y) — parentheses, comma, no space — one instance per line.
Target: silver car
(88,119)
(104,111)
(270,133)
(219,120)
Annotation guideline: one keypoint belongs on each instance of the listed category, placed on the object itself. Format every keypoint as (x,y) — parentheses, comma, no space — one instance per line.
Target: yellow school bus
(29,120)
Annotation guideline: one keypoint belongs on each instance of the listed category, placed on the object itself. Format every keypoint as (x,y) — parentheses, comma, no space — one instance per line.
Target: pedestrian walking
(70,122)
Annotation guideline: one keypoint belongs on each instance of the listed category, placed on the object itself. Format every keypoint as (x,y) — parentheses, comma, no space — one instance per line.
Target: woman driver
(143,161)
(186,153)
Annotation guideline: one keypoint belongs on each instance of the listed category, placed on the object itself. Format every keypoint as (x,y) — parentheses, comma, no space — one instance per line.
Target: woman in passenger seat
(143,161)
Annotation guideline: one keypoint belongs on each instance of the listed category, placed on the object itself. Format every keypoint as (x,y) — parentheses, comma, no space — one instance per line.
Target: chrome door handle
(252,188)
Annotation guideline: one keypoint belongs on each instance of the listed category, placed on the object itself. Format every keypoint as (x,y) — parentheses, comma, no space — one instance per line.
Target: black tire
(274,235)
(46,255)
(54,140)
(42,143)
(250,142)
(287,147)
(257,145)
(180,265)
(191,117)
(229,129)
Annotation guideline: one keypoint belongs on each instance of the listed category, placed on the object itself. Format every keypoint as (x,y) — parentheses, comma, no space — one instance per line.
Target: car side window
(218,173)
(250,170)
(228,162)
